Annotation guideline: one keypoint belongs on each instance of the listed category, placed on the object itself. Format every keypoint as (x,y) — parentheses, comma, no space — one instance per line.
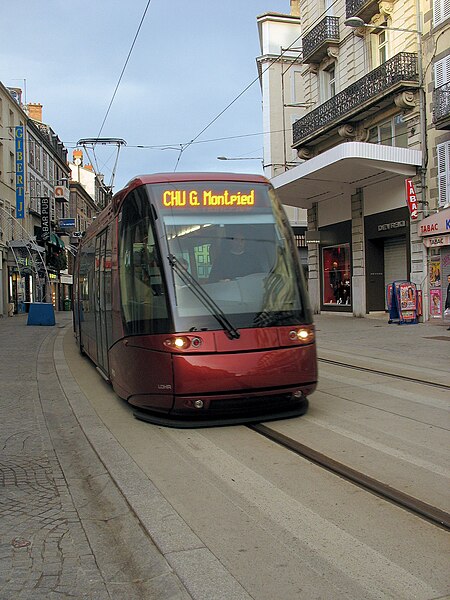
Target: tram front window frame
(271,295)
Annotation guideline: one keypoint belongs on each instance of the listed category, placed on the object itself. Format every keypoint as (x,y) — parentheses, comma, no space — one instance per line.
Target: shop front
(387,254)
(435,233)
(335,267)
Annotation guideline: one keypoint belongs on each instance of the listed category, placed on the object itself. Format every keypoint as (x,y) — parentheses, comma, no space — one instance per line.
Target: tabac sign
(20,173)
(411,199)
(436,225)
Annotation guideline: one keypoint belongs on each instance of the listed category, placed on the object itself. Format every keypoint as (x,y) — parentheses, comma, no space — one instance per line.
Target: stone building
(370,76)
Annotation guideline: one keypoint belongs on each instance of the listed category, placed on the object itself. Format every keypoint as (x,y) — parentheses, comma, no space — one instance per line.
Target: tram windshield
(232,249)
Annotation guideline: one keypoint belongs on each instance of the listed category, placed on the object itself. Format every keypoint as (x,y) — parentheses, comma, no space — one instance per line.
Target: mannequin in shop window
(336,282)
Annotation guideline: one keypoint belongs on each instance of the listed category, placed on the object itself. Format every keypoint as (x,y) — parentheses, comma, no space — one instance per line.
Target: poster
(435,273)
(407,297)
(435,303)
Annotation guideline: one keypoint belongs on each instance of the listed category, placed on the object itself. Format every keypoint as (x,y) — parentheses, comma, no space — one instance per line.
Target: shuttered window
(441,11)
(442,71)
(443,157)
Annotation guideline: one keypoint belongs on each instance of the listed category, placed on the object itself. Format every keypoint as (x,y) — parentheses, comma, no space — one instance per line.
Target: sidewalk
(420,351)
(65,527)
(66,531)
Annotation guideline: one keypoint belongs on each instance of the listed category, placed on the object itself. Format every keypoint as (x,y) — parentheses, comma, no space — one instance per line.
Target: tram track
(383,490)
(338,363)
(397,497)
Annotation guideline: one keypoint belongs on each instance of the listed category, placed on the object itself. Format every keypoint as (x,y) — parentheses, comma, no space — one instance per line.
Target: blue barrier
(41,313)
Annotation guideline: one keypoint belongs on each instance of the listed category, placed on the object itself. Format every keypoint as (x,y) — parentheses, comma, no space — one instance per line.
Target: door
(375,275)
(100,302)
(395,260)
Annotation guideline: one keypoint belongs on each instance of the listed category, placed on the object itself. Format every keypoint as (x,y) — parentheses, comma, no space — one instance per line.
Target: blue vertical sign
(20,173)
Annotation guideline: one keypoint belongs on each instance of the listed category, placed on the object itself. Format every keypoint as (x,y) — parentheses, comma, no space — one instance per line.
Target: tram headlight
(304,335)
(183,342)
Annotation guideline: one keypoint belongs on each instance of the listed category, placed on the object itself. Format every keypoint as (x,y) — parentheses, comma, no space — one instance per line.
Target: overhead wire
(186,146)
(124,67)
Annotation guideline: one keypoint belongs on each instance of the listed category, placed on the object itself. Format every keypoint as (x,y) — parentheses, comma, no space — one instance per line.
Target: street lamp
(239,158)
(356,23)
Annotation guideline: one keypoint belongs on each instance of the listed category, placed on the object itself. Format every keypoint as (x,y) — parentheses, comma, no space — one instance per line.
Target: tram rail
(338,363)
(418,507)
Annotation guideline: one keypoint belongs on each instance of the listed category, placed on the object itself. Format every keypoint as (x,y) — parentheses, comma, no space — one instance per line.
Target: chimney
(78,157)
(35,111)
(295,8)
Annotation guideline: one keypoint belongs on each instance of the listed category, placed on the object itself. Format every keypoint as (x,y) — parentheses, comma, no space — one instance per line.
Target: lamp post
(238,158)
(356,23)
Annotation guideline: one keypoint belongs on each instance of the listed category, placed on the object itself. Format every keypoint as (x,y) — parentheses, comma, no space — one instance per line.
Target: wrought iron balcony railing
(366,91)
(441,104)
(315,43)
(365,9)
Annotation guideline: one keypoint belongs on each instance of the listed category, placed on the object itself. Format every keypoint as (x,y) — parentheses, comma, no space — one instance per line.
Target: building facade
(34,195)
(280,73)
(368,132)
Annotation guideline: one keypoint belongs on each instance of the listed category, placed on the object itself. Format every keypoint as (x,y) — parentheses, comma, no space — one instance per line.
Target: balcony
(316,42)
(365,9)
(441,110)
(366,96)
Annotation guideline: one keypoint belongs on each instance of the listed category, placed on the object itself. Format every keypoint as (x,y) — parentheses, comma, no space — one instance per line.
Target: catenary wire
(124,67)
(186,146)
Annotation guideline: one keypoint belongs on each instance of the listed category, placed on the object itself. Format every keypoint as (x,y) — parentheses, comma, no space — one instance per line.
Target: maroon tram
(190,299)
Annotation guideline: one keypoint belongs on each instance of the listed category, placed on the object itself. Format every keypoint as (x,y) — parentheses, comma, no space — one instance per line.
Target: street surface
(282,527)
(96,504)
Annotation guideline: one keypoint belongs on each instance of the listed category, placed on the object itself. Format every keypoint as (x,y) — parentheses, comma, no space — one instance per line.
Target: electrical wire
(186,146)
(124,67)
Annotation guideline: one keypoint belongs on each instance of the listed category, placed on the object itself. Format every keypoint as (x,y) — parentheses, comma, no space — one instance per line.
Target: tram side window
(86,287)
(142,290)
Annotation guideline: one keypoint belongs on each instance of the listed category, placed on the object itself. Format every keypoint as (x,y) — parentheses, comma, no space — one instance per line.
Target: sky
(191,59)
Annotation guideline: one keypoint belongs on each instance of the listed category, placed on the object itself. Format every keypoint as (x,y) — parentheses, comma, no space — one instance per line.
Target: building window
(390,133)
(443,159)
(328,7)
(336,274)
(442,71)
(297,86)
(441,11)
(328,83)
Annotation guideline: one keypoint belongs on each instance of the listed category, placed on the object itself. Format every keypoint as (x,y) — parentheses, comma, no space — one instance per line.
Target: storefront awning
(55,240)
(341,170)
(27,244)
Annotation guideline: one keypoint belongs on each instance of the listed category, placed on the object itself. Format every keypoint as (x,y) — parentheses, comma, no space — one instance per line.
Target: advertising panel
(20,173)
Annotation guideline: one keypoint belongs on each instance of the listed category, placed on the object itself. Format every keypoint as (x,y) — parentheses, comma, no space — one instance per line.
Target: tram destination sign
(207,198)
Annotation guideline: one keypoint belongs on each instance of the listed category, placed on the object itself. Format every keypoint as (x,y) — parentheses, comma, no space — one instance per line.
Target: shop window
(336,274)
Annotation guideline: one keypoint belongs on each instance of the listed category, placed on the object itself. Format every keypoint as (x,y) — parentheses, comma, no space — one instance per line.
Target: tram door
(100,301)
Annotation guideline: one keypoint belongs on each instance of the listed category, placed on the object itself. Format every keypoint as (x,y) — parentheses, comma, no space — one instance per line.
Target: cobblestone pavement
(65,530)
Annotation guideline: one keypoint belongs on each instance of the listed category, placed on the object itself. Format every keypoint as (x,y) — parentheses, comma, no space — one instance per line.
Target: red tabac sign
(411,199)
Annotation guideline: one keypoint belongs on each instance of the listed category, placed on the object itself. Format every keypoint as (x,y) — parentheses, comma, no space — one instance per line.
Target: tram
(190,300)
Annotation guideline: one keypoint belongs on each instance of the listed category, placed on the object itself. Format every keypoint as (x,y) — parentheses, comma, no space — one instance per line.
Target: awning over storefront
(341,170)
(55,240)
(27,244)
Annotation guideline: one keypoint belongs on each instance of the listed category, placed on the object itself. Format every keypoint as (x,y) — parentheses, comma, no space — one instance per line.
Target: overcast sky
(191,59)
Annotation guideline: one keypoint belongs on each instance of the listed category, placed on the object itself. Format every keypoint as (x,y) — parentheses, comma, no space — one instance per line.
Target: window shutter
(442,71)
(443,156)
(441,10)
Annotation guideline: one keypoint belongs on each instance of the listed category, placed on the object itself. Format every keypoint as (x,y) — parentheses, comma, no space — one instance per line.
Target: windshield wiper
(204,297)
(267,319)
